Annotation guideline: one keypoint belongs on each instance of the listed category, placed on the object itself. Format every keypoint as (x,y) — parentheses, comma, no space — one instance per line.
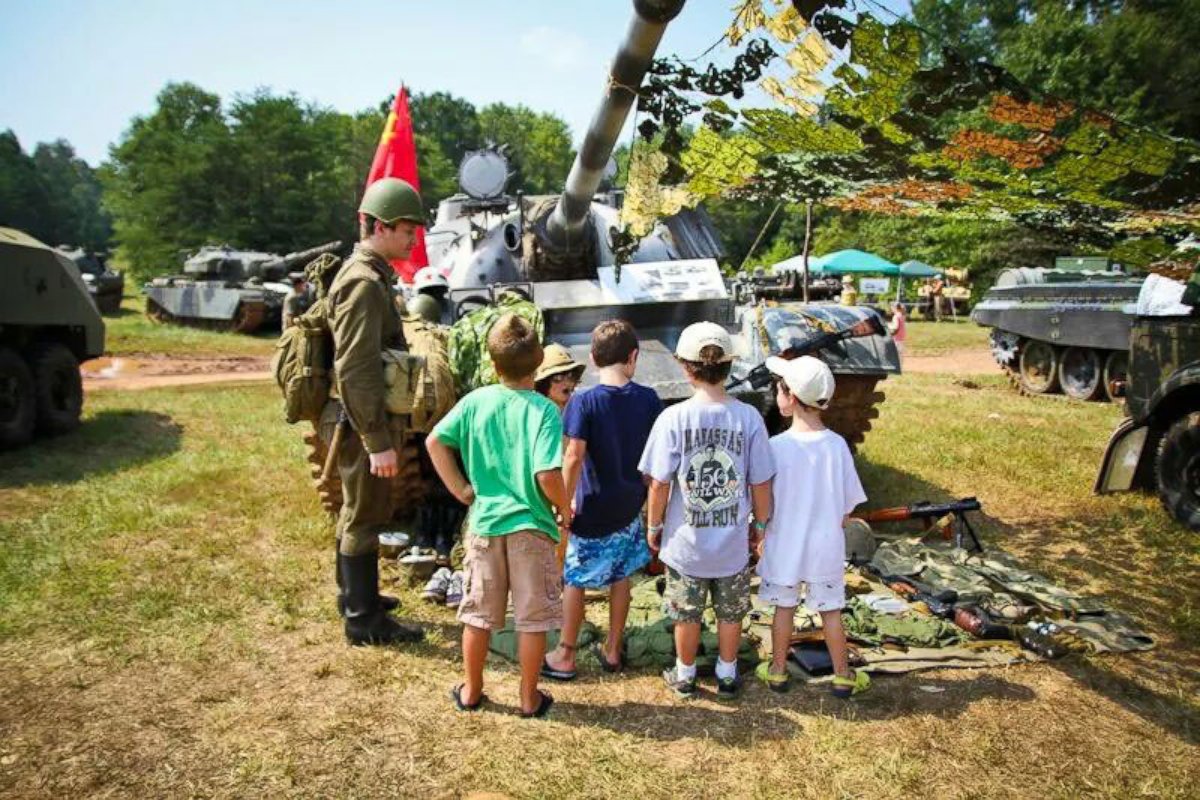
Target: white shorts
(822,595)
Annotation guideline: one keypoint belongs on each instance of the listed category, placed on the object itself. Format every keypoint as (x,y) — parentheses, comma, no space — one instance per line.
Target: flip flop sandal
(775,681)
(560,675)
(598,651)
(849,687)
(543,707)
(456,696)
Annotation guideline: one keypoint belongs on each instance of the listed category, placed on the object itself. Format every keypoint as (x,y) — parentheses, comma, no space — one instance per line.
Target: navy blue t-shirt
(615,423)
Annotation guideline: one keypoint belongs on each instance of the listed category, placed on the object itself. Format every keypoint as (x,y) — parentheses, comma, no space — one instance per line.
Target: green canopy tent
(842,262)
(913,269)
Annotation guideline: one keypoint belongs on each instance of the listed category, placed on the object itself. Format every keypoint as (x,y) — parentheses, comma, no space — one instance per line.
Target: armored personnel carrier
(1061,329)
(106,286)
(227,289)
(48,325)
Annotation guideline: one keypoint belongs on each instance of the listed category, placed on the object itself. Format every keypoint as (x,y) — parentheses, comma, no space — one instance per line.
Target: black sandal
(606,665)
(456,696)
(543,707)
(554,674)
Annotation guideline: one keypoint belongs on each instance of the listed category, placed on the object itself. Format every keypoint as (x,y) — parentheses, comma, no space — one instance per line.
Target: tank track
(409,487)
(248,319)
(855,404)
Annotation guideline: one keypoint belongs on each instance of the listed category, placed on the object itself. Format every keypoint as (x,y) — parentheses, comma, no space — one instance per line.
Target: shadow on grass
(110,441)
(762,715)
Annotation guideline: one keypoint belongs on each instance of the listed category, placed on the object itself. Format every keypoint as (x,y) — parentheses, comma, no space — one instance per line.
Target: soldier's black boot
(366,621)
(386,602)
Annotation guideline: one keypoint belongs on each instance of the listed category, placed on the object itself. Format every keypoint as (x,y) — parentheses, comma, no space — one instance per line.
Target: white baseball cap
(698,335)
(809,379)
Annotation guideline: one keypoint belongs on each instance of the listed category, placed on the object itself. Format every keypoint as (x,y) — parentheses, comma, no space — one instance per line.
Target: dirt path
(155,371)
(956,362)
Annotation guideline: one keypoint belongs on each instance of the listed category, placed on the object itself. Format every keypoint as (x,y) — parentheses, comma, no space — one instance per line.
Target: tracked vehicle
(1061,330)
(226,289)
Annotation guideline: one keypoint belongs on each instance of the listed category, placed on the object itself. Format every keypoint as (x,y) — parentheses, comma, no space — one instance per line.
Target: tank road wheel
(18,404)
(1116,368)
(249,317)
(58,388)
(1177,470)
(1038,373)
(1081,373)
(855,404)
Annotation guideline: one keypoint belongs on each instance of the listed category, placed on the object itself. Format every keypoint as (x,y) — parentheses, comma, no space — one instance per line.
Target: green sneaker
(729,688)
(846,688)
(775,681)
(680,687)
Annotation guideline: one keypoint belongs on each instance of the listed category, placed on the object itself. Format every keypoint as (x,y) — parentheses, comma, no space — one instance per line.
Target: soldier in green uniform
(365,320)
(297,301)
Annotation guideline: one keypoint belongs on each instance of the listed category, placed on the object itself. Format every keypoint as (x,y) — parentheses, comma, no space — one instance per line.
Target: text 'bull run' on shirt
(711,453)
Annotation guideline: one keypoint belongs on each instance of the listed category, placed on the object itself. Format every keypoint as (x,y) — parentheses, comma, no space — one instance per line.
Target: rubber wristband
(762,526)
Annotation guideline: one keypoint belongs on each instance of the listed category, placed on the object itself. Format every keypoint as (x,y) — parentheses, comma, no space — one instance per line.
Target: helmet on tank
(426,307)
(429,279)
(390,200)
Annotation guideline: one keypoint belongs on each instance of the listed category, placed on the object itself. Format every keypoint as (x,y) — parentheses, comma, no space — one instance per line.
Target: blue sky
(81,69)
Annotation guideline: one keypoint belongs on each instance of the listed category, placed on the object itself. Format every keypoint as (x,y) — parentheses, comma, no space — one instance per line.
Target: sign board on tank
(664,281)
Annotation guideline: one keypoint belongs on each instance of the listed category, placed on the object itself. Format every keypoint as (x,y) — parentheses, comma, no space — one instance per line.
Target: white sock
(726,669)
(685,672)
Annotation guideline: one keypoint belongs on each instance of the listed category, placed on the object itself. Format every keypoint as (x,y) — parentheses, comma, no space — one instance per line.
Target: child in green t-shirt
(510,440)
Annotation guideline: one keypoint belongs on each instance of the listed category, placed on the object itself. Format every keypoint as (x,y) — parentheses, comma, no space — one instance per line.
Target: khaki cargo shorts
(685,597)
(523,563)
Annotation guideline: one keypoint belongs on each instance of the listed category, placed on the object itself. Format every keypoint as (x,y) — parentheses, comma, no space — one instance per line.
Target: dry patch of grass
(940,338)
(167,628)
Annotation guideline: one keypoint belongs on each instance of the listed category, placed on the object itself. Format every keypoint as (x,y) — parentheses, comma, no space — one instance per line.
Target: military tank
(558,252)
(48,325)
(106,286)
(226,289)
(1061,330)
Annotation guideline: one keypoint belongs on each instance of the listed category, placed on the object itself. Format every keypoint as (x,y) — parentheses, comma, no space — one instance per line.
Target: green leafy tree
(73,193)
(24,202)
(539,146)
(450,123)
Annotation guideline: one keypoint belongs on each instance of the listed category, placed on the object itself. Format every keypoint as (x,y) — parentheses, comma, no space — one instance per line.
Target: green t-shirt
(506,436)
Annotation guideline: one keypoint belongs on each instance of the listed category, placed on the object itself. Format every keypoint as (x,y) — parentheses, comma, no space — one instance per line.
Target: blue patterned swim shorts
(601,562)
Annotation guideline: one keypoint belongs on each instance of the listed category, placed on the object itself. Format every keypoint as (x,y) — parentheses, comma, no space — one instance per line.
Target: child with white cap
(709,462)
(815,488)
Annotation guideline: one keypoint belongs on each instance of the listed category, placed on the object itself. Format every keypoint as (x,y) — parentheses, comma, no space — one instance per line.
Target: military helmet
(860,541)
(429,278)
(426,307)
(390,200)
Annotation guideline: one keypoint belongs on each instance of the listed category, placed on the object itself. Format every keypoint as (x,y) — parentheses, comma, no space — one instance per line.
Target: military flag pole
(808,203)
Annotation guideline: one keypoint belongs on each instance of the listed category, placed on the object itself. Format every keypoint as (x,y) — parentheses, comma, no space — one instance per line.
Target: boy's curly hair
(613,341)
(710,369)
(514,347)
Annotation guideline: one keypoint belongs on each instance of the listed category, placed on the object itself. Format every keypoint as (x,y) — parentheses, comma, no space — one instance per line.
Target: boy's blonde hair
(514,347)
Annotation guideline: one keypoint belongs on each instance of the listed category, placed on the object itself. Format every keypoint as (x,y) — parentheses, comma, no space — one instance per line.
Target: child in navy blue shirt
(605,428)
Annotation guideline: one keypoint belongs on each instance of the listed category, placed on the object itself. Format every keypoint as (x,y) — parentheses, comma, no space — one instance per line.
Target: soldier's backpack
(303,364)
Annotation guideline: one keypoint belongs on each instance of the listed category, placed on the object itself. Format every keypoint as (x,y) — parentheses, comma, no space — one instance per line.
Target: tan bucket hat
(556,360)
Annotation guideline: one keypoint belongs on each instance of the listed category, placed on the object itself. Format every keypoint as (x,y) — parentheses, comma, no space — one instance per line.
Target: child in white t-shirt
(815,488)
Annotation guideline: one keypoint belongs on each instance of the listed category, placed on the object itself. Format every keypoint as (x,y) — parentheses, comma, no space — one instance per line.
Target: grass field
(167,628)
(940,338)
(131,332)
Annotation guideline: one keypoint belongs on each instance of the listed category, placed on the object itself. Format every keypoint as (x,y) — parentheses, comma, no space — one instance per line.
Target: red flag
(396,157)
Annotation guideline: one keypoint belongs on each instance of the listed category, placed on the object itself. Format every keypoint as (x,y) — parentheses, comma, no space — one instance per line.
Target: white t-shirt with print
(711,453)
(815,487)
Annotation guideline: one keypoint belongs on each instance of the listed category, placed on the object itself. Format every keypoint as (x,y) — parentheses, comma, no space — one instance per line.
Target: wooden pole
(808,204)
(758,238)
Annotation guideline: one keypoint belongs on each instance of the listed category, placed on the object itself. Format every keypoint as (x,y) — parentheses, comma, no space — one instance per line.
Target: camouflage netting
(825,101)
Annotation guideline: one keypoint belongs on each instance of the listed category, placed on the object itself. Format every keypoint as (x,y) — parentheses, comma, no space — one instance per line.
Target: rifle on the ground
(949,518)
(760,376)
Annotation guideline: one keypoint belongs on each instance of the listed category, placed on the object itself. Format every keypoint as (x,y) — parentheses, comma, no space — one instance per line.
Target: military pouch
(301,365)
(403,375)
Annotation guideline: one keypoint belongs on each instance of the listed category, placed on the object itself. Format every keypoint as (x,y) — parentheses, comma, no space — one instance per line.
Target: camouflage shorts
(685,597)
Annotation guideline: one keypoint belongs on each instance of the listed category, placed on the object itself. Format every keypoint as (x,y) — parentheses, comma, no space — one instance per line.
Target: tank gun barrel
(302,257)
(625,75)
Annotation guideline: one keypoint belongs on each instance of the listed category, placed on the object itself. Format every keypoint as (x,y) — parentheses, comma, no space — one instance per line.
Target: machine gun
(948,518)
(760,376)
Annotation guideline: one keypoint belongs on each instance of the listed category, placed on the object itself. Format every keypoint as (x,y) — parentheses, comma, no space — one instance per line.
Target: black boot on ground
(386,601)
(366,621)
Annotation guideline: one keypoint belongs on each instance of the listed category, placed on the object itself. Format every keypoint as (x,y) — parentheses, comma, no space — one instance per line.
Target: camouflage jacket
(364,321)
(469,360)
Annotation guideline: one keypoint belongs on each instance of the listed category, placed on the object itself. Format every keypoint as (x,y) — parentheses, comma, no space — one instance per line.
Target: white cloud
(559,49)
